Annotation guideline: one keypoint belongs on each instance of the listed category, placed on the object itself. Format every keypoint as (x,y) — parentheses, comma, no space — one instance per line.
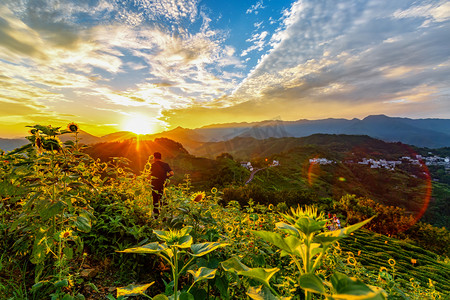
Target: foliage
(63,212)
(174,250)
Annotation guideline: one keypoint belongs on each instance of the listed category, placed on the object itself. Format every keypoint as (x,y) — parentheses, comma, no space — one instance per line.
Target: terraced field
(406,264)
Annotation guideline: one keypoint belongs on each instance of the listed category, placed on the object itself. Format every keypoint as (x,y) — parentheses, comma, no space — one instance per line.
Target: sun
(139,124)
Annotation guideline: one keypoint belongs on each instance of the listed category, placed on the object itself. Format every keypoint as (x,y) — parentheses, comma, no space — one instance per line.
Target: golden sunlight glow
(139,124)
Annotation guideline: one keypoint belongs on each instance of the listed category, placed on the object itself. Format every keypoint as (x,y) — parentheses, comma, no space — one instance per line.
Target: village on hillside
(391,164)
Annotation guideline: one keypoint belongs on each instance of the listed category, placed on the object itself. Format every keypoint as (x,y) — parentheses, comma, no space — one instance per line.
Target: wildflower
(229,229)
(73,127)
(65,234)
(198,197)
(270,206)
(385,242)
(391,262)
(51,143)
(413,261)
(351,261)
(359,252)
(214,190)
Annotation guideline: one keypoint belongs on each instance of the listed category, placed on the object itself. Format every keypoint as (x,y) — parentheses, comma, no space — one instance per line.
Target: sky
(153,65)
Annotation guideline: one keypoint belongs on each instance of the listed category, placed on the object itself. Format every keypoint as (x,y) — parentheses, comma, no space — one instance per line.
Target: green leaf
(40,246)
(205,248)
(327,238)
(133,289)
(185,230)
(67,297)
(346,285)
(273,238)
(289,229)
(68,252)
(52,210)
(312,283)
(234,264)
(203,274)
(160,297)
(308,225)
(261,274)
(260,293)
(354,289)
(61,283)
(186,296)
(83,224)
(150,248)
(185,242)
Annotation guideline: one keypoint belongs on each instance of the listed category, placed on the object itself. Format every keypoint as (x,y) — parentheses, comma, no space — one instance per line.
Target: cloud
(433,12)
(258,40)
(255,7)
(359,54)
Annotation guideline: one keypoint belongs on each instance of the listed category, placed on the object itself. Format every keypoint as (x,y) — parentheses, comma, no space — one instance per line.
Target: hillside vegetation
(75,227)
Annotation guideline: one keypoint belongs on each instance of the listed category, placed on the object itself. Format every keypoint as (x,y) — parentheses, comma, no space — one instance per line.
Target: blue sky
(109,65)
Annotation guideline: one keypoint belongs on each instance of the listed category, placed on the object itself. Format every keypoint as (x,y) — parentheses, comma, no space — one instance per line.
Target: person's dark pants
(157,193)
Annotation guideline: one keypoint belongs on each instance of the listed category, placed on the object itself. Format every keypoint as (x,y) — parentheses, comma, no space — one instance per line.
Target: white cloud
(437,12)
(352,53)
(259,43)
(255,7)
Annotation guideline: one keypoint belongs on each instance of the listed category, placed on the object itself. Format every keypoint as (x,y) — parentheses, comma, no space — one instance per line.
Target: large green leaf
(203,274)
(185,230)
(260,293)
(273,238)
(312,283)
(353,288)
(83,223)
(234,264)
(40,246)
(186,296)
(289,229)
(343,284)
(133,289)
(296,246)
(205,248)
(52,210)
(327,238)
(151,248)
(185,242)
(261,274)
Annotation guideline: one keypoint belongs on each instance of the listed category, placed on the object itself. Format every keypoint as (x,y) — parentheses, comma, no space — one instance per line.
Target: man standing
(160,171)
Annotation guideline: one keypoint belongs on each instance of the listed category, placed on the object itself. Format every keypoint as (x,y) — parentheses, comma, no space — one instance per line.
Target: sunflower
(73,127)
(52,143)
(65,234)
(351,260)
(391,262)
(214,190)
(198,197)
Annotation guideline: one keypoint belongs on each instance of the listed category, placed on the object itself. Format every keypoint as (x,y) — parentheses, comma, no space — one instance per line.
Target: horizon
(152,66)
(211,125)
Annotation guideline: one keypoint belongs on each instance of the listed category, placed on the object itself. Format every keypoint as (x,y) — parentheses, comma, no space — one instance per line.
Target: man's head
(157,155)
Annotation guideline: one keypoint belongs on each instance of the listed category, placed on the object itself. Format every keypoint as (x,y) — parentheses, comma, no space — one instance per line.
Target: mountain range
(431,133)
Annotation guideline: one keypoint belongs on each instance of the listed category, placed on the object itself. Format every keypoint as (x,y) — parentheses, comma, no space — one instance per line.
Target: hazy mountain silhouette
(11,144)
(431,133)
